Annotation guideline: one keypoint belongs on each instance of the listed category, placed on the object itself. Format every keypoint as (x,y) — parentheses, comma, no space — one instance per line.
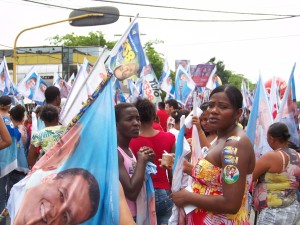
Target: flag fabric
(27,85)
(274,98)
(82,148)
(6,85)
(127,58)
(202,73)
(39,92)
(71,80)
(151,89)
(135,90)
(165,81)
(185,64)
(260,119)
(246,96)
(81,89)
(288,112)
(117,93)
(184,85)
(63,86)
(12,157)
(178,172)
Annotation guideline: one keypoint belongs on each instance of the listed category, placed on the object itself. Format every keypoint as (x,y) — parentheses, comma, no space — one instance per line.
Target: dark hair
(173,103)
(234,95)
(204,106)
(161,105)
(94,191)
(31,78)
(146,110)
(280,131)
(177,113)
(5,100)
(120,107)
(51,94)
(49,113)
(18,113)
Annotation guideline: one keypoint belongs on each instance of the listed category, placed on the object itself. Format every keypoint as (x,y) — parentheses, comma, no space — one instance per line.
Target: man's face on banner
(30,83)
(126,70)
(57,201)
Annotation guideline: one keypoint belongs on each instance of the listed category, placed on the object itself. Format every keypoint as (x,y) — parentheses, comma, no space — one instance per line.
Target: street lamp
(89,17)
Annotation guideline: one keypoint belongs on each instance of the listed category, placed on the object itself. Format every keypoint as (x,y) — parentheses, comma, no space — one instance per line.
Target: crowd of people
(223,178)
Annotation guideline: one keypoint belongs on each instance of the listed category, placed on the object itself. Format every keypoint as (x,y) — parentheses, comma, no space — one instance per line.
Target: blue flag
(259,121)
(79,175)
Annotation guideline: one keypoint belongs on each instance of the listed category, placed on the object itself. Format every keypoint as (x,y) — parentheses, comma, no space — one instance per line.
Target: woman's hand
(146,153)
(180,197)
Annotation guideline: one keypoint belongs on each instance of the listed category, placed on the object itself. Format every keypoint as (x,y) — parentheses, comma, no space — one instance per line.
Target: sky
(269,46)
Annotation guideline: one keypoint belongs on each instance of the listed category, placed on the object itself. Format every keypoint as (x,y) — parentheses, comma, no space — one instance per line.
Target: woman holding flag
(221,179)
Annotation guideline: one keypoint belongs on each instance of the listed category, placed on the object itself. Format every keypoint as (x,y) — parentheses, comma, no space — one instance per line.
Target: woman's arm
(202,137)
(5,136)
(132,185)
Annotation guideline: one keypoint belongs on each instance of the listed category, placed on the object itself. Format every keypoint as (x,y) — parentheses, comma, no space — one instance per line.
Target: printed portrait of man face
(30,82)
(43,87)
(126,70)
(69,197)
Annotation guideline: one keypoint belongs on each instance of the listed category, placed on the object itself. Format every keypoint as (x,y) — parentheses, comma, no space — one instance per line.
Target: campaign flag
(151,89)
(185,64)
(117,93)
(165,81)
(12,157)
(259,121)
(246,96)
(71,80)
(202,73)
(77,180)
(82,88)
(39,92)
(135,90)
(63,86)
(288,112)
(127,58)
(28,84)
(177,171)
(274,98)
(184,85)
(6,85)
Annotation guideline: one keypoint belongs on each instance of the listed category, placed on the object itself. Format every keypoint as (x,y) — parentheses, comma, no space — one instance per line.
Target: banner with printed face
(28,84)
(166,82)
(185,64)
(202,73)
(127,57)
(77,180)
(259,121)
(39,92)
(6,85)
(184,85)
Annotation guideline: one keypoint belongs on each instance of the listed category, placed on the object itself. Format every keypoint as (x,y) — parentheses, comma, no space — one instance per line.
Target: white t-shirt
(186,146)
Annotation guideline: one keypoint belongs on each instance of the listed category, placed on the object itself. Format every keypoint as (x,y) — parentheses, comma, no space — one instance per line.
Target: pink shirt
(130,165)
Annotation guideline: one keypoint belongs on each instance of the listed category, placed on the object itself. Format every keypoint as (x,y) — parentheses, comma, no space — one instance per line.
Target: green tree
(93,39)
(156,59)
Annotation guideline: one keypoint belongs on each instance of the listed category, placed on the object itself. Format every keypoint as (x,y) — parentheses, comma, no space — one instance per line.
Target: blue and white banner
(166,82)
(259,121)
(127,58)
(184,85)
(77,180)
(288,112)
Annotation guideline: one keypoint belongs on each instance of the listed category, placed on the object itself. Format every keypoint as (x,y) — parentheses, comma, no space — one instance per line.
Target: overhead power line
(277,16)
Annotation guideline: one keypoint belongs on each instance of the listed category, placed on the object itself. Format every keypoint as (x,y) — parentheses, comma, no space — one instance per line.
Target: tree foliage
(156,59)
(93,39)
